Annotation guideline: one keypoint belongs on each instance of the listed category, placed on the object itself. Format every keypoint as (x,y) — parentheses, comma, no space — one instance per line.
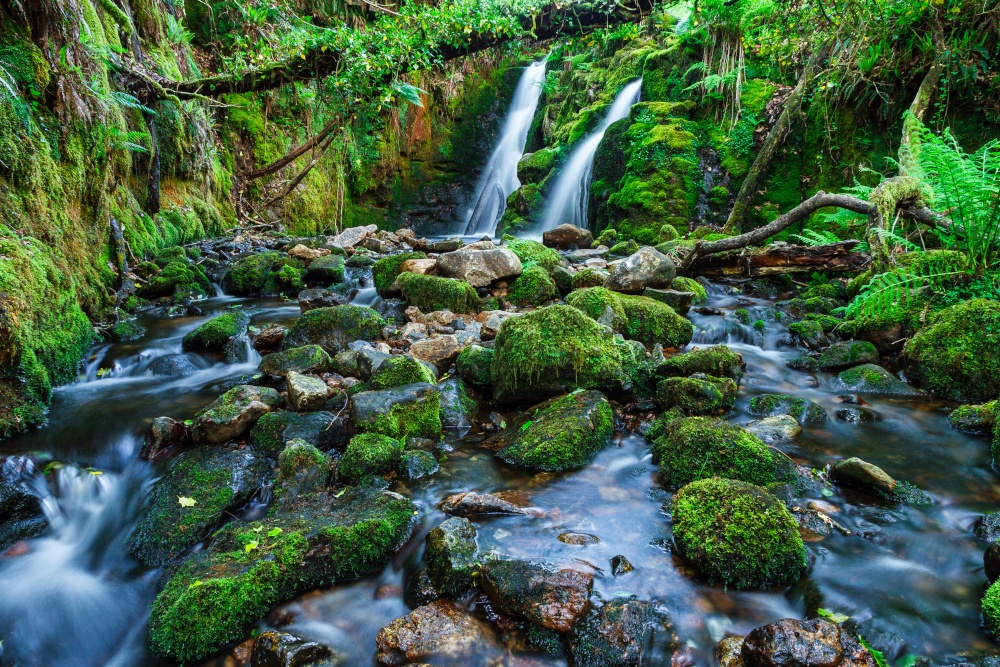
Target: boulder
(430,293)
(847,354)
(698,395)
(872,379)
(792,643)
(479,267)
(305,359)
(718,360)
(323,430)
(305,392)
(473,365)
(624,632)
(451,556)
(273,648)
(409,411)
(772,429)
(635,317)
(369,454)
(307,254)
(679,301)
(386,270)
(334,328)
(478,505)
(802,409)
(398,370)
(302,470)
(991,562)
(438,351)
(859,474)
(491,320)
(352,236)
(267,338)
(234,413)
(427,267)
(314,298)
(326,270)
(442,632)
(568,236)
(215,334)
(163,432)
(361,363)
(416,464)
(692,448)
(173,365)
(646,268)
(975,419)
(551,599)
(533,287)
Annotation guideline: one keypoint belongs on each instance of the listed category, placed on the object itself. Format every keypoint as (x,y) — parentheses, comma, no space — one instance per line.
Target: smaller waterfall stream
(499,178)
(569,199)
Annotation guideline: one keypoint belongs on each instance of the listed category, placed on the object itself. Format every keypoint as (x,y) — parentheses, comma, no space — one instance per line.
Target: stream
(911,576)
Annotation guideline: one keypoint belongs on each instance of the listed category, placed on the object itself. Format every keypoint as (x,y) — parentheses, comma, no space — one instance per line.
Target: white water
(570,196)
(499,178)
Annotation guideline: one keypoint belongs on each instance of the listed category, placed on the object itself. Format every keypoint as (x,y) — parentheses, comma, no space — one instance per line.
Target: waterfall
(499,178)
(569,199)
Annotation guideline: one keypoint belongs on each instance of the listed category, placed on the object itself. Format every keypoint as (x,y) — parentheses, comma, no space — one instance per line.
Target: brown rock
(441,351)
(267,338)
(280,649)
(491,321)
(729,652)
(859,474)
(307,254)
(423,266)
(553,600)
(442,630)
(163,432)
(566,236)
(813,643)
(439,318)
(474,504)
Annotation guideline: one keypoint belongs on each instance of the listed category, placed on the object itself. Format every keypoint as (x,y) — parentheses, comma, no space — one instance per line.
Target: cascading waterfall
(499,178)
(570,196)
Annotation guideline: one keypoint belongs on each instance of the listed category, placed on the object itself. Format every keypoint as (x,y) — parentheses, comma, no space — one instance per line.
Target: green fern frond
(815,237)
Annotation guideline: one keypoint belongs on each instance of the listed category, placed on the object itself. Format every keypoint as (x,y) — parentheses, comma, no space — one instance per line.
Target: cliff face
(95,175)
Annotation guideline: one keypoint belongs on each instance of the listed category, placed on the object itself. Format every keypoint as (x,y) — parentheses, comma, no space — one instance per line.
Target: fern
(815,237)
(888,295)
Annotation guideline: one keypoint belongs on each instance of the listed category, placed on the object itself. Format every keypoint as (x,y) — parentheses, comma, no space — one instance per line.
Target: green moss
(533,252)
(698,447)
(809,332)
(249,274)
(717,360)
(127,330)
(473,364)
(306,359)
(667,233)
(624,248)
(386,270)
(533,287)
(769,405)
(534,167)
(370,454)
(684,284)
(636,317)
(399,370)
(991,609)
(609,237)
(178,279)
(334,328)
(697,396)
(267,433)
(217,332)
(416,464)
(958,355)
(431,293)
(414,420)
(589,277)
(737,534)
(742,315)
(978,419)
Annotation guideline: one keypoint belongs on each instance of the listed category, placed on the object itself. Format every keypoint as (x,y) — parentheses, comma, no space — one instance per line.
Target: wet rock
(699,395)
(635,317)
(361,364)
(305,392)
(302,469)
(841,356)
(267,338)
(791,643)
(417,464)
(772,429)
(646,268)
(473,365)
(163,432)
(440,247)
(578,539)
(173,365)
(430,293)
(480,267)
(856,415)
(479,505)
(305,359)
(307,254)
(679,301)
(20,513)
(620,634)
(201,488)
(401,369)
(551,599)
(439,351)
(234,413)
(352,236)
(273,648)
(567,236)
(393,310)
(215,334)
(859,474)
(807,364)
(729,652)
(401,412)
(988,527)
(991,562)
(620,565)
(315,298)
(769,405)
(212,598)
(450,554)
(810,333)
(418,589)
(440,631)
(718,361)
(872,379)
(562,434)
(326,270)
(334,328)
(975,419)
(491,320)
(323,430)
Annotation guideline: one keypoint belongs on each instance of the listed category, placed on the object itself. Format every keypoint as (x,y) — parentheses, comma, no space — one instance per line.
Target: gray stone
(646,268)
(173,365)
(450,554)
(479,267)
(273,648)
(859,474)
(313,298)
(20,512)
(234,413)
(872,379)
(772,429)
(847,354)
(679,301)
(305,392)
(352,236)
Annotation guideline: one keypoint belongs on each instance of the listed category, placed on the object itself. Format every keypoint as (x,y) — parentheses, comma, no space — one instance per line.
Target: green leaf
(274,532)
(832,615)
(251,546)
(186,502)
(525,426)
(410,93)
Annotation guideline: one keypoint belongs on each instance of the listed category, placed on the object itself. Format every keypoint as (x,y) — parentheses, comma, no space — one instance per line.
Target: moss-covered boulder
(703,395)
(533,287)
(305,359)
(217,333)
(976,419)
(412,410)
(847,354)
(473,364)
(534,167)
(302,469)
(323,430)
(958,355)
(589,277)
(326,271)
(560,434)
(179,279)
(737,534)
(551,351)
(810,333)
(334,328)
(451,556)
(991,609)
(636,317)
(398,370)
(369,454)
(619,634)
(416,464)
(533,252)
(769,405)
(234,413)
(872,379)
(249,275)
(386,270)
(203,486)
(215,596)
(431,293)
(718,361)
(692,448)
(685,284)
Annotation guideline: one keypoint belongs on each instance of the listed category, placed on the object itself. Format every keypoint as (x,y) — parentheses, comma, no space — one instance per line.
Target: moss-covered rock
(473,364)
(402,412)
(234,413)
(399,370)
(327,270)
(991,609)
(214,597)
(737,534)
(667,233)
(685,284)
(305,359)
(619,634)
(386,270)
(250,274)
(551,351)
(451,556)
(561,434)
(302,469)
(273,430)
(215,334)
(216,481)
(872,379)
(179,279)
(431,293)
(589,277)
(533,252)
(416,464)
(769,405)
(334,328)
(810,333)
(369,454)
(977,419)
(533,287)
(718,361)
(693,448)
(126,331)
(850,353)
(534,167)
(958,355)
(704,395)
(636,317)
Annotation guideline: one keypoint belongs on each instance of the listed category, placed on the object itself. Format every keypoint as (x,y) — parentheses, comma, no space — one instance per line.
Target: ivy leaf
(186,502)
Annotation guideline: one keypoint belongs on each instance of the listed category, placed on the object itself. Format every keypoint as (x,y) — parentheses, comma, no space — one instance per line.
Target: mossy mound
(692,448)
(302,469)
(704,395)
(386,270)
(399,370)
(684,284)
(718,361)
(533,287)
(533,252)
(872,379)
(179,279)
(991,609)
(562,434)
(307,359)
(431,293)
(473,364)
(958,355)
(217,332)
(551,351)
(737,534)
(369,454)
(977,419)
(769,405)
(635,317)
(534,167)
(327,270)
(215,596)
(334,328)
(589,277)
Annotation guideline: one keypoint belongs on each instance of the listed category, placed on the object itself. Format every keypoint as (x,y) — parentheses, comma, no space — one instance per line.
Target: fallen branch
(784,258)
(279,164)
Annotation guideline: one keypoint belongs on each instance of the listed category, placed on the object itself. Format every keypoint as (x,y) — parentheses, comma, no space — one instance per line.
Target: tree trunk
(784,258)
(775,138)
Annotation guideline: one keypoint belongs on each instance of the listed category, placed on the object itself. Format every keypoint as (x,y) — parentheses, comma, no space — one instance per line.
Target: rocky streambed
(377,449)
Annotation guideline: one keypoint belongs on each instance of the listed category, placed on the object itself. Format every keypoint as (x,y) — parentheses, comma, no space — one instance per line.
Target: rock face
(234,413)
(617,635)
(562,434)
(551,599)
(479,267)
(816,643)
(333,329)
(305,359)
(646,268)
(305,392)
(566,236)
(280,649)
(441,631)
(450,554)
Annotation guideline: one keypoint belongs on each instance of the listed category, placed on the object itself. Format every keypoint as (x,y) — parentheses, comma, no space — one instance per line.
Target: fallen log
(782,258)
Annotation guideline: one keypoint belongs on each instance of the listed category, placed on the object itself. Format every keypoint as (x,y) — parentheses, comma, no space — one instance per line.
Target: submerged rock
(769,405)
(551,599)
(173,365)
(791,643)
(872,379)
(772,429)
(440,631)
(620,634)
(234,413)
(273,648)
(20,512)
(478,505)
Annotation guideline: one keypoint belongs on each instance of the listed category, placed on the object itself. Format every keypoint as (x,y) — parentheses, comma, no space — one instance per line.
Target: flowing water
(911,575)
(571,193)
(499,177)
